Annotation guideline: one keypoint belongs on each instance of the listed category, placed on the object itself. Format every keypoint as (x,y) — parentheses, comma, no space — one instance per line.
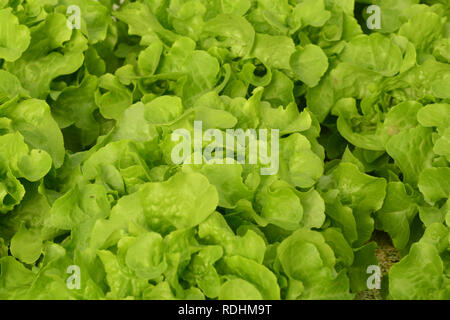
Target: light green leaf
(309,64)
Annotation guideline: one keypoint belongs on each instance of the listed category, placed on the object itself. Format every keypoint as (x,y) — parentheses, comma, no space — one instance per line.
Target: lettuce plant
(93,205)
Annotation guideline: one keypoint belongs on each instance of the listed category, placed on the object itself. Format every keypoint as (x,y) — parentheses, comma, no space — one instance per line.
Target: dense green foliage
(87,179)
